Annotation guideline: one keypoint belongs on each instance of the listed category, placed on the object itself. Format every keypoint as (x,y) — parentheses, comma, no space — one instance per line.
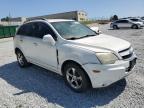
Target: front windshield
(72,29)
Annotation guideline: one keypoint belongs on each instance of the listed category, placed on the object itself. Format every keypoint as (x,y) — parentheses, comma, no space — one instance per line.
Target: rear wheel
(76,78)
(21,59)
(115,27)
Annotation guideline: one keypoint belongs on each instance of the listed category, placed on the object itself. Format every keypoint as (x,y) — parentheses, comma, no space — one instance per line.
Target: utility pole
(9,19)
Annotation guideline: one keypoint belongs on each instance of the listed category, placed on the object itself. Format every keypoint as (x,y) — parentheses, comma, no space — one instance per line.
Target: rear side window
(134,19)
(122,21)
(36,29)
(21,30)
(118,21)
(25,30)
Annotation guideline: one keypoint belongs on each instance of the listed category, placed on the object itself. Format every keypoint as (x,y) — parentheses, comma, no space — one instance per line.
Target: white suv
(85,58)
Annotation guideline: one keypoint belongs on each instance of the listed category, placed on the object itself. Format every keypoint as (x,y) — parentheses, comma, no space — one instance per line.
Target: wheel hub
(73,78)
(20,59)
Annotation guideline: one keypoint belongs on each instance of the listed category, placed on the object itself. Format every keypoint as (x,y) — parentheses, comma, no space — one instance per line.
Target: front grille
(127,56)
(126,53)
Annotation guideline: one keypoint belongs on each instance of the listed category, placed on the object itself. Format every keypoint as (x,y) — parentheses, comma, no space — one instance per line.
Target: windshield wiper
(72,38)
(87,36)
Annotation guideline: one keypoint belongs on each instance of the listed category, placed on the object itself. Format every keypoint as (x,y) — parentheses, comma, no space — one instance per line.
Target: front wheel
(134,26)
(76,78)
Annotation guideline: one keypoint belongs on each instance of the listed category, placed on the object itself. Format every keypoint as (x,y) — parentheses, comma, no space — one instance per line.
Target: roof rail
(35,19)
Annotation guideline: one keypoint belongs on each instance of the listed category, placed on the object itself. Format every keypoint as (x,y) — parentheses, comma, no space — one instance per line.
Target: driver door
(43,53)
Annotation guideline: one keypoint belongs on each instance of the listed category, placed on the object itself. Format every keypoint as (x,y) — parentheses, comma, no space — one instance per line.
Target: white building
(75,15)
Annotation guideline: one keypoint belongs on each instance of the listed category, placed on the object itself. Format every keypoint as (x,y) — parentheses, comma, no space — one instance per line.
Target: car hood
(104,42)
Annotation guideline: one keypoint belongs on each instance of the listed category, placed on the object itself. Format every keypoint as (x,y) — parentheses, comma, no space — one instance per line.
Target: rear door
(24,36)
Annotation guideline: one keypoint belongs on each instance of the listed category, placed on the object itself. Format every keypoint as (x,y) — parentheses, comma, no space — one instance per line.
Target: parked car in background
(126,23)
(82,56)
(137,20)
(142,18)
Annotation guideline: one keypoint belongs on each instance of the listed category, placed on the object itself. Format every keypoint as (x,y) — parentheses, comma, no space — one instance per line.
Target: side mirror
(49,39)
(96,29)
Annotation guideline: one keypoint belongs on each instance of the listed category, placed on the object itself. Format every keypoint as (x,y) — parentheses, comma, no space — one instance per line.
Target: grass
(95,21)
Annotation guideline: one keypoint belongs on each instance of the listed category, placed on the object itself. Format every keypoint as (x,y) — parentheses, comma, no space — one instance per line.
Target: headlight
(107,58)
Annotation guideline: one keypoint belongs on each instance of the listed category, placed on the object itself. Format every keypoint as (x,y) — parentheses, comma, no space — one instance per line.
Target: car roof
(134,18)
(121,20)
(58,20)
(47,20)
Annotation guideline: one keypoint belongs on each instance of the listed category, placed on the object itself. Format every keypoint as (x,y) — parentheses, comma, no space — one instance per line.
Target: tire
(115,27)
(134,26)
(21,59)
(76,77)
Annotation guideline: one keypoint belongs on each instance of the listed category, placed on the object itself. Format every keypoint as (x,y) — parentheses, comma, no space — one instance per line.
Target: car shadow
(52,87)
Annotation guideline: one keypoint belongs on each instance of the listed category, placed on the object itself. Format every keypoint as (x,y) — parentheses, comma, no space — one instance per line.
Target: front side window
(135,20)
(72,29)
(42,29)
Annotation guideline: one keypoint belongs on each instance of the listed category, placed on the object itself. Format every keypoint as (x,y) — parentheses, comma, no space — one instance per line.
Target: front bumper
(141,25)
(111,25)
(109,73)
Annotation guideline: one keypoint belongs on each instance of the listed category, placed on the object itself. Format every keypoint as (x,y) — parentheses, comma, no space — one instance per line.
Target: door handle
(36,44)
(21,40)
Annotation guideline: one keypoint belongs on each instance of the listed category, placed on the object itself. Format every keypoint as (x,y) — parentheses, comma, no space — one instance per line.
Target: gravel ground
(34,87)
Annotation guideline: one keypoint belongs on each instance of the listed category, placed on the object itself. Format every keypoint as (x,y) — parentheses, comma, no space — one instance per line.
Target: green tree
(6,19)
(114,18)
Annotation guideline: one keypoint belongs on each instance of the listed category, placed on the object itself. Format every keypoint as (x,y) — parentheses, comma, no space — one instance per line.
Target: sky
(94,8)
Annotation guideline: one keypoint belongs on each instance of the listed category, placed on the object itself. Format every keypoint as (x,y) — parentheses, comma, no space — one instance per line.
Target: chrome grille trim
(126,53)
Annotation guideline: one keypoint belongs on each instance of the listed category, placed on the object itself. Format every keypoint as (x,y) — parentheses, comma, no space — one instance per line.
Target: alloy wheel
(20,59)
(73,78)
